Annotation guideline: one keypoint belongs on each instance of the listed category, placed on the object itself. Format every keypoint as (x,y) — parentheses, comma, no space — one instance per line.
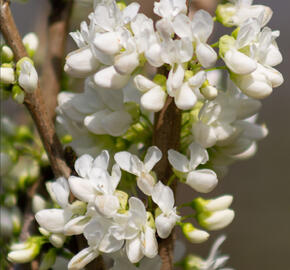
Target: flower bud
(154,99)
(193,262)
(18,94)
(209,92)
(25,252)
(7,74)
(57,240)
(81,63)
(28,78)
(109,78)
(217,204)
(108,43)
(30,42)
(10,200)
(239,63)
(194,235)
(202,181)
(6,54)
(81,259)
(216,220)
(224,14)
(126,63)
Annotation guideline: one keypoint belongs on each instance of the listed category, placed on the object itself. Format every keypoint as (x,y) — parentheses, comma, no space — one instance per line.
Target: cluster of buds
(22,76)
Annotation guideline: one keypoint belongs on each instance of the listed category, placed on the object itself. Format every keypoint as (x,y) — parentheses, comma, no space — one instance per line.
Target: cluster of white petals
(120,206)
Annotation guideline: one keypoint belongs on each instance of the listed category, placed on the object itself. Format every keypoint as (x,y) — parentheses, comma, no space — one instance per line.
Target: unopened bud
(216,220)
(6,54)
(7,75)
(18,94)
(57,240)
(209,92)
(30,42)
(194,235)
(28,78)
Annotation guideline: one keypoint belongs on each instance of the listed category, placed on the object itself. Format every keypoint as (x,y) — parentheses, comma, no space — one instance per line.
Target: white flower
(260,83)
(28,78)
(198,31)
(7,75)
(95,184)
(142,241)
(203,180)
(237,12)
(81,63)
(163,196)
(168,9)
(53,220)
(147,40)
(142,170)
(154,96)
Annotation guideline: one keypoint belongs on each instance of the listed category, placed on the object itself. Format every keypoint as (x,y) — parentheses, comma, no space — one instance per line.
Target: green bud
(6,54)
(121,5)
(225,43)
(199,204)
(194,235)
(224,14)
(19,63)
(18,94)
(48,259)
(193,262)
(66,139)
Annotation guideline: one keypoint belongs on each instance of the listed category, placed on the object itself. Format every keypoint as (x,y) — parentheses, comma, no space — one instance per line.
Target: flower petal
(178,161)
(152,156)
(202,181)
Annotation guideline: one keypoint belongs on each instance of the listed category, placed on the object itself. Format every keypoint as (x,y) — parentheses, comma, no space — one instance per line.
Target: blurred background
(259,238)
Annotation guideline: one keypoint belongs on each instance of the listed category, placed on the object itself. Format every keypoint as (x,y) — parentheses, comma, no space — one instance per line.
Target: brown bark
(167,126)
(34,101)
(57,28)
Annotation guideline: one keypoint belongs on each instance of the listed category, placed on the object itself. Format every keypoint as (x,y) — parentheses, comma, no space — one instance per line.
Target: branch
(34,101)
(57,28)
(167,126)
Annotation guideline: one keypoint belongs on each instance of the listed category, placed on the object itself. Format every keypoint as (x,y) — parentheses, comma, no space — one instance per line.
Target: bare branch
(34,101)
(166,136)
(57,28)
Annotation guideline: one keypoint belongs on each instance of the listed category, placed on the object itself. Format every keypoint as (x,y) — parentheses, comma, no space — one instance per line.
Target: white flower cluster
(115,50)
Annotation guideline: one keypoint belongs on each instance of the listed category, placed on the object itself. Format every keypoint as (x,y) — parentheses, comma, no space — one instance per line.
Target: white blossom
(132,164)
(202,180)
(163,196)
(28,78)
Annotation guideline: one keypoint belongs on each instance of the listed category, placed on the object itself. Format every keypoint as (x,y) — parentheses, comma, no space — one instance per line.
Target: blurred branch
(57,28)
(34,101)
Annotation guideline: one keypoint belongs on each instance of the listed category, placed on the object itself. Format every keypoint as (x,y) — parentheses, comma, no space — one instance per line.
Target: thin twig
(57,28)
(34,101)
